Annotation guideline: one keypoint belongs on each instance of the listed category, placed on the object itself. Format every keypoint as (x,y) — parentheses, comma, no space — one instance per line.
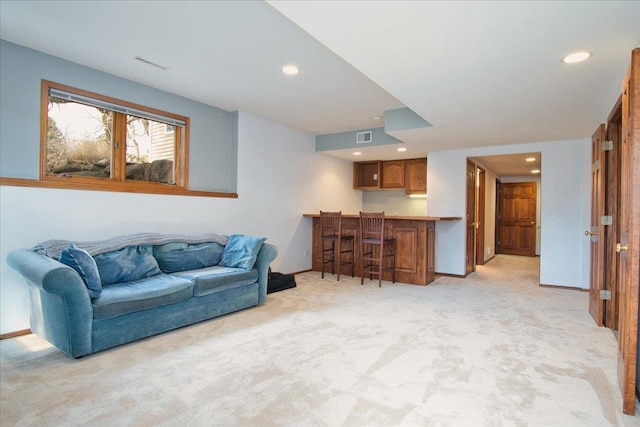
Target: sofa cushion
(124,298)
(127,265)
(85,265)
(241,251)
(217,278)
(172,257)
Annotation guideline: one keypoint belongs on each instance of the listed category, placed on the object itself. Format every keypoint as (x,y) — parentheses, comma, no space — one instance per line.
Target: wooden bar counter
(415,245)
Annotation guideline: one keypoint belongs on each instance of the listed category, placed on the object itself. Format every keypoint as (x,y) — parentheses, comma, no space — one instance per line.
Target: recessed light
(290,70)
(530,159)
(402,149)
(357,153)
(376,117)
(535,171)
(575,57)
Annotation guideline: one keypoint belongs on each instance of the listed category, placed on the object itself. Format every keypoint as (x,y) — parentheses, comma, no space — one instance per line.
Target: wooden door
(612,207)
(596,232)
(518,218)
(480,218)
(629,249)
(471,218)
(496,231)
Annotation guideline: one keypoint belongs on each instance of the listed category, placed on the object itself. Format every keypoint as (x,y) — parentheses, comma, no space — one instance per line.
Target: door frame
(470,259)
(612,208)
(597,229)
(496,229)
(518,224)
(480,213)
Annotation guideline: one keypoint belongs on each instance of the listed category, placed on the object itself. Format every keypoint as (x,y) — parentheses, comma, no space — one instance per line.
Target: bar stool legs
(331,232)
(372,237)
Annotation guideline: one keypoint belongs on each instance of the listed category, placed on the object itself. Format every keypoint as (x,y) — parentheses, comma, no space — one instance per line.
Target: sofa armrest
(59,301)
(266,255)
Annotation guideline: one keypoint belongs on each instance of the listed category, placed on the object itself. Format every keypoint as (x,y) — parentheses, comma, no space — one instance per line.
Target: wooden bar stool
(372,236)
(331,231)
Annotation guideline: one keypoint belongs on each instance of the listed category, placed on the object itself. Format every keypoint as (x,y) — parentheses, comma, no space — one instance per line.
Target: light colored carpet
(490,350)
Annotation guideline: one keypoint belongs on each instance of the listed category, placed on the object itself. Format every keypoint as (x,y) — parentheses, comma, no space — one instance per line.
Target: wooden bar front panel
(415,245)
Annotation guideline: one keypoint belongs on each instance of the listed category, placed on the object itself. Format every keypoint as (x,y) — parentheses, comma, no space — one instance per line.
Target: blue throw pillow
(85,265)
(189,257)
(127,264)
(241,251)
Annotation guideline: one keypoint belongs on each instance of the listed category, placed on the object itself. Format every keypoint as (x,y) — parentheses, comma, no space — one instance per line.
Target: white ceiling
(482,73)
(511,164)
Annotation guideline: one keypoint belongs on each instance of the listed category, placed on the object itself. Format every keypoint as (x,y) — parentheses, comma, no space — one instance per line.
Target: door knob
(589,233)
(621,247)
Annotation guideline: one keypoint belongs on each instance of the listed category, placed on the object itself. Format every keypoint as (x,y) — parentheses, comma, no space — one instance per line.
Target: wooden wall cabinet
(367,175)
(416,176)
(393,174)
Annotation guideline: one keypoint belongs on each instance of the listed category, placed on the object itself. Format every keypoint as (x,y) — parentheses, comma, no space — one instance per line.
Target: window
(91,141)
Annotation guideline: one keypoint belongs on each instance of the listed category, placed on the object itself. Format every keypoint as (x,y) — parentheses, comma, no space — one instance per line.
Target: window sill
(118,188)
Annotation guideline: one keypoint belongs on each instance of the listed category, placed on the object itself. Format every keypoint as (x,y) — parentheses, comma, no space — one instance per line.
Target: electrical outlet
(304,254)
(488,250)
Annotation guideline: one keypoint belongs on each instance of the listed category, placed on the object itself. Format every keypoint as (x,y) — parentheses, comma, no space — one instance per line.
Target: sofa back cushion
(85,265)
(241,251)
(175,257)
(127,264)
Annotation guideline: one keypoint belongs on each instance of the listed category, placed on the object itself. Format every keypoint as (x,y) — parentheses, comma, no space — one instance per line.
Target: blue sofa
(112,292)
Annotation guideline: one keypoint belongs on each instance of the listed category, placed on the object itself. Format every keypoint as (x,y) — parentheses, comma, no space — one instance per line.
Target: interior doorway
(480,214)
(612,207)
(470,264)
(493,174)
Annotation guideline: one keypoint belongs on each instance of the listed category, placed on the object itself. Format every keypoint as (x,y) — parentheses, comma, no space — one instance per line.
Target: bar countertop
(392,217)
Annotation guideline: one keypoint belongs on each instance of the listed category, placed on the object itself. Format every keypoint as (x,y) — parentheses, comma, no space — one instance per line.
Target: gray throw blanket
(53,248)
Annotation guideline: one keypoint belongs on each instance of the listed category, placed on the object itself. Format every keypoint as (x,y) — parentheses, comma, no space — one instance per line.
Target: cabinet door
(393,174)
(416,176)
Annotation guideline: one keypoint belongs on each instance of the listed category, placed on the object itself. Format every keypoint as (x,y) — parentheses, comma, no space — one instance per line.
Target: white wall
(393,202)
(280,177)
(563,205)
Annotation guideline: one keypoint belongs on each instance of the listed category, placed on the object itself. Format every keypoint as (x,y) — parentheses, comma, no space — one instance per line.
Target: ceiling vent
(363,137)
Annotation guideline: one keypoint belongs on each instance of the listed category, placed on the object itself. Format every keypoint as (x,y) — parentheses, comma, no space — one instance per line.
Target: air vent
(363,137)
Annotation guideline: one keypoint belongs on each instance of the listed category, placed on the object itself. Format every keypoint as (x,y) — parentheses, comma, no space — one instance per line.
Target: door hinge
(607,145)
(606,220)
(605,295)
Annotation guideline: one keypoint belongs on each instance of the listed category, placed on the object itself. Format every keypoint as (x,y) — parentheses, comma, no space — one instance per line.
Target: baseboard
(568,288)
(300,272)
(15,334)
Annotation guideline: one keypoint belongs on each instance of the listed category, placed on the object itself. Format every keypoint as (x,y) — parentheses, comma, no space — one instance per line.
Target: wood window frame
(118,181)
